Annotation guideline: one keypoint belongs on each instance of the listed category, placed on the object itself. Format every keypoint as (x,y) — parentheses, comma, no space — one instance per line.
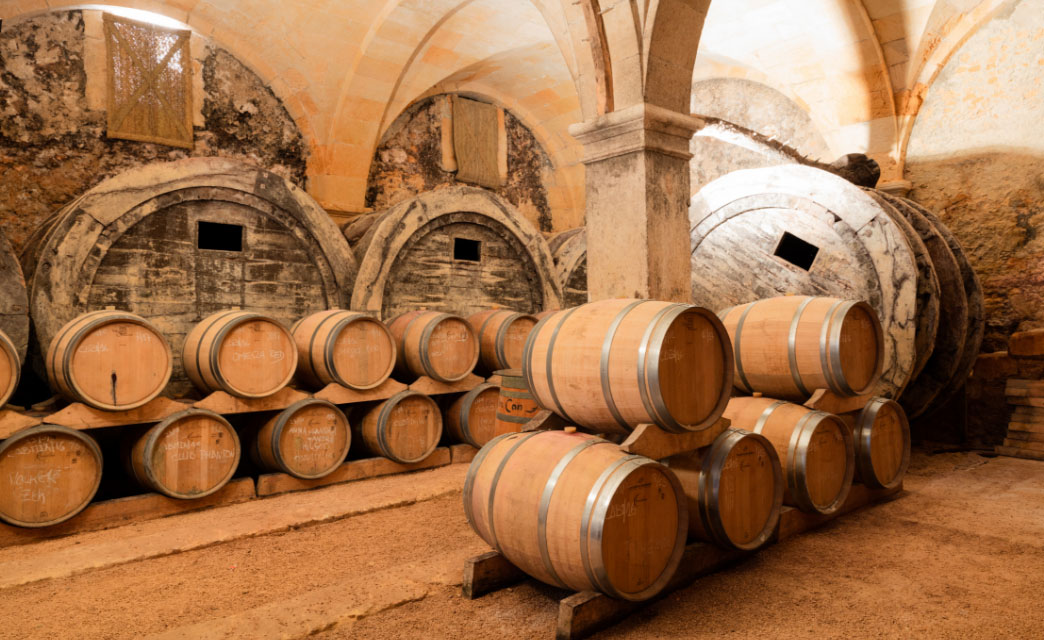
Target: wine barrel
(502,335)
(242,353)
(516,404)
(110,360)
(438,345)
(308,440)
(343,347)
(10,368)
(790,346)
(881,434)
(816,449)
(573,510)
(404,428)
(472,418)
(614,364)
(734,489)
(190,454)
(48,474)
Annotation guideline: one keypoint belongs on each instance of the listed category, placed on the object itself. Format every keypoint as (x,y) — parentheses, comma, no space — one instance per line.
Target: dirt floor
(959,555)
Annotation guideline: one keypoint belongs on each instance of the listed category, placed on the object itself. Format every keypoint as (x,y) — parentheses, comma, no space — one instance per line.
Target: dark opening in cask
(467,249)
(217,236)
(796,251)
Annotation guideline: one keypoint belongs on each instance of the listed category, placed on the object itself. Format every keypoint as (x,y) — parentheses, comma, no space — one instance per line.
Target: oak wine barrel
(472,418)
(573,510)
(438,345)
(502,335)
(190,454)
(815,447)
(10,368)
(242,353)
(308,440)
(110,360)
(734,488)
(516,404)
(881,433)
(348,348)
(614,364)
(405,428)
(48,474)
(788,347)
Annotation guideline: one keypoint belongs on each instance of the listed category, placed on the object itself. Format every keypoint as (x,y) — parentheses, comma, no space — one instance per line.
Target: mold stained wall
(52,142)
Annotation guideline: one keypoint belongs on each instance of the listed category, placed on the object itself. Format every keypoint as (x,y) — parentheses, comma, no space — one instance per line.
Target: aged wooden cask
(788,347)
(573,510)
(110,360)
(614,364)
(308,440)
(48,474)
(405,428)
(570,251)
(14,300)
(190,454)
(438,345)
(734,489)
(472,418)
(815,447)
(881,433)
(343,347)
(242,353)
(502,335)
(515,404)
(10,368)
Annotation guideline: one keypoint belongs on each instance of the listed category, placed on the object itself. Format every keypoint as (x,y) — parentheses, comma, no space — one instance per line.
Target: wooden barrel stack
(441,346)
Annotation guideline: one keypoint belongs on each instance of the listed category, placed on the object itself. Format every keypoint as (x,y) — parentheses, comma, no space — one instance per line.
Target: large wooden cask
(881,433)
(441,346)
(405,428)
(10,368)
(190,454)
(734,489)
(14,300)
(790,346)
(502,335)
(344,347)
(570,251)
(472,417)
(516,405)
(110,360)
(242,353)
(815,447)
(308,440)
(614,364)
(575,511)
(458,250)
(48,474)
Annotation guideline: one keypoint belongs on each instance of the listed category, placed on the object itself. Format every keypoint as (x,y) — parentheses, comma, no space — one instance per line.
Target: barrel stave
(405,428)
(343,347)
(308,440)
(242,353)
(472,417)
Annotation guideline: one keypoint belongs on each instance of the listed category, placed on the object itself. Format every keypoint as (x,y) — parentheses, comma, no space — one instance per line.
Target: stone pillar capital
(642,127)
(896,187)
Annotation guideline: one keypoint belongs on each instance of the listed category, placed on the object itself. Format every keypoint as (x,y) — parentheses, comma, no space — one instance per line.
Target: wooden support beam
(337,394)
(79,416)
(431,387)
(275,483)
(487,573)
(12,422)
(223,403)
(653,442)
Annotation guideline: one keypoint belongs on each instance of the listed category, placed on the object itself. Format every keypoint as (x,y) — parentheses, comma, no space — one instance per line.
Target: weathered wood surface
(570,251)
(273,483)
(1016,388)
(1015,452)
(739,219)
(487,573)
(826,400)
(406,257)
(223,403)
(80,416)
(14,301)
(12,422)
(1027,344)
(430,387)
(337,394)
(133,242)
(653,442)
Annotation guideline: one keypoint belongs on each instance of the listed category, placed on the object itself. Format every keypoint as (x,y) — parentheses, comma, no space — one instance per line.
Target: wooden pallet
(270,484)
(1025,437)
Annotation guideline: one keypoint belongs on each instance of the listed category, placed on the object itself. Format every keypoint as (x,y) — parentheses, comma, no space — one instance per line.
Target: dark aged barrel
(575,511)
(48,474)
(308,440)
(815,447)
(472,418)
(242,353)
(343,347)
(502,335)
(110,360)
(516,404)
(10,368)
(882,443)
(190,454)
(790,346)
(405,428)
(614,364)
(734,488)
(438,345)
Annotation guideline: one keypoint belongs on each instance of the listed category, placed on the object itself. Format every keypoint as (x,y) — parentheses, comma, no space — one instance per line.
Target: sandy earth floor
(959,555)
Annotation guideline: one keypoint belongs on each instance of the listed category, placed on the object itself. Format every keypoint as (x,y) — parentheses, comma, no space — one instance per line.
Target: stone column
(637,162)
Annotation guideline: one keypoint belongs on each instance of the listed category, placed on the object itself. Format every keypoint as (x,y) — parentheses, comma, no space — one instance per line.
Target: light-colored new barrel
(502,335)
(575,511)
(788,347)
(882,443)
(242,353)
(190,454)
(48,474)
(348,348)
(815,447)
(516,404)
(614,364)
(438,345)
(405,428)
(10,368)
(734,488)
(110,360)
(308,440)
(472,418)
